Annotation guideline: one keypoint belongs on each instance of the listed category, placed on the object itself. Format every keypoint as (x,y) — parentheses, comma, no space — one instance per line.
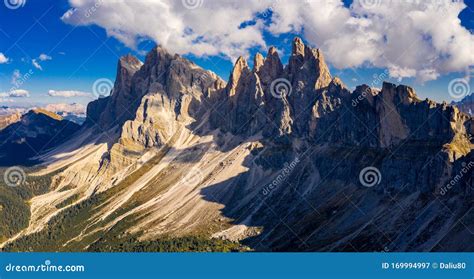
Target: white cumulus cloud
(63,108)
(44,57)
(212,28)
(422,39)
(17,93)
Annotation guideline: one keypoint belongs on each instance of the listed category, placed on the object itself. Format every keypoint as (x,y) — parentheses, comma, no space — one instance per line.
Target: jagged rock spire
(258,61)
(272,67)
(298,48)
(127,66)
(308,65)
(240,70)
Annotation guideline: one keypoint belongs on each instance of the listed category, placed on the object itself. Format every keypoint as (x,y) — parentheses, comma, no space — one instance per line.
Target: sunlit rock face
(275,158)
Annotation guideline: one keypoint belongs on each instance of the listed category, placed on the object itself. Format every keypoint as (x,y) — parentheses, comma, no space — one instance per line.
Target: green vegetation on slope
(182,244)
(14,208)
(68,201)
(74,220)
(14,213)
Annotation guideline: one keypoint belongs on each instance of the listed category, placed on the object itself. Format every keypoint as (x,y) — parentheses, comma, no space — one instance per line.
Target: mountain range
(74,112)
(466,104)
(279,158)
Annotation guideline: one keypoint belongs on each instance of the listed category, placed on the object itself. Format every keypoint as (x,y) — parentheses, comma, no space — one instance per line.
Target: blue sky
(82,54)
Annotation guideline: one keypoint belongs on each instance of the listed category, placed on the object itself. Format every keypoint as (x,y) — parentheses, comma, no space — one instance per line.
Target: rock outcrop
(114,110)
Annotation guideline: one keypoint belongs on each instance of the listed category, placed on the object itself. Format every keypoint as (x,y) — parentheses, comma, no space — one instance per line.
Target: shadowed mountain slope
(280,158)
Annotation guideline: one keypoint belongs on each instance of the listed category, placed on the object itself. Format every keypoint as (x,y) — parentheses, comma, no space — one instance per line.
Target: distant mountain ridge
(466,104)
(74,112)
(6,120)
(33,133)
(279,158)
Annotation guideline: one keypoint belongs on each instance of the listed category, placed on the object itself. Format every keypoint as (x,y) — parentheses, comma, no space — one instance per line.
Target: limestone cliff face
(121,104)
(186,153)
(175,92)
(253,99)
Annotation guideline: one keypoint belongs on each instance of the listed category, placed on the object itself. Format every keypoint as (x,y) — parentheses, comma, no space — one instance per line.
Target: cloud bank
(17,93)
(63,108)
(411,38)
(68,93)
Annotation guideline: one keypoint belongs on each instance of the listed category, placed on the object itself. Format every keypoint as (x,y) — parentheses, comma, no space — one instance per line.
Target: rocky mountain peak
(307,66)
(38,112)
(240,71)
(297,56)
(401,93)
(258,61)
(240,65)
(127,66)
(272,51)
(156,54)
(157,61)
(272,67)
(130,63)
(336,85)
(298,47)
